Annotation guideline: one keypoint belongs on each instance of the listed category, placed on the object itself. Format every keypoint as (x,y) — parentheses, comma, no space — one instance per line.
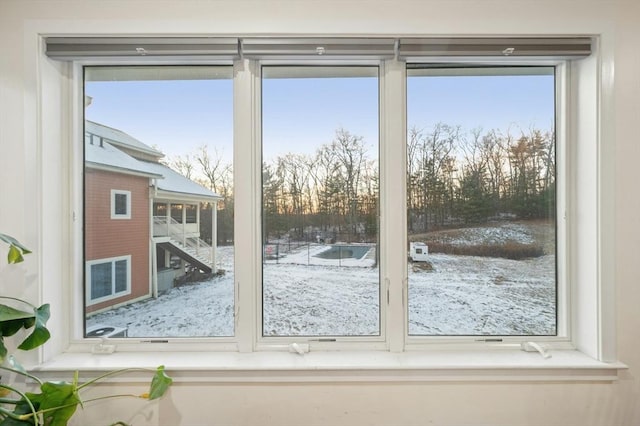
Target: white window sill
(257,367)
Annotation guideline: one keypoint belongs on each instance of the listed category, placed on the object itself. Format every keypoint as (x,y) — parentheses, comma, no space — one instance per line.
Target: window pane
(163,132)
(121,204)
(481,204)
(121,276)
(320,201)
(101,282)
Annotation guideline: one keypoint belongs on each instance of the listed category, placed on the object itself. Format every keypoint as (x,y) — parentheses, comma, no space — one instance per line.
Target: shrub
(509,250)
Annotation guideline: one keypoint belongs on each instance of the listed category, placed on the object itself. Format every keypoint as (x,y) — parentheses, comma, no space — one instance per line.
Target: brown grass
(508,250)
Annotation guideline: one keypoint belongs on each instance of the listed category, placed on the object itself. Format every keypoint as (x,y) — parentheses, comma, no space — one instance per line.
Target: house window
(320,201)
(343,237)
(120,204)
(481,194)
(166,134)
(108,279)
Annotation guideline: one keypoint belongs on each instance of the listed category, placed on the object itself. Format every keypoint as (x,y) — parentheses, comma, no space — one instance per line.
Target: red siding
(106,237)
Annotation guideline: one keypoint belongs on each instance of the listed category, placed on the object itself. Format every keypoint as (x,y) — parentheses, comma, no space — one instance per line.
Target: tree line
(453,178)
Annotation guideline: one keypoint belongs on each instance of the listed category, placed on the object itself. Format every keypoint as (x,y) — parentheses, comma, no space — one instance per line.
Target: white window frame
(562,339)
(393,264)
(589,356)
(114,294)
(328,342)
(114,194)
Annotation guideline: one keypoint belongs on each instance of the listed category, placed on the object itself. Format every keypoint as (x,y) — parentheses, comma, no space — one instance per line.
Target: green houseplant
(56,402)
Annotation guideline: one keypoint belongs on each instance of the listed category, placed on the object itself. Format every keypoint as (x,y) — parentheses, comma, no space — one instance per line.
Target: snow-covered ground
(307,295)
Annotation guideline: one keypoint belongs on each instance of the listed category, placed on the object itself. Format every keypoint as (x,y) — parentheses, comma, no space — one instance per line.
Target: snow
(305,295)
(498,234)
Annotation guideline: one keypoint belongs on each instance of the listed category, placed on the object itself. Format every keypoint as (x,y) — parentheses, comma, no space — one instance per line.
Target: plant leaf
(9,328)
(13,363)
(40,333)
(159,384)
(16,249)
(37,338)
(21,408)
(54,395)
(7,313)
(3,350)
(12,320)
(14,255)
(13,242)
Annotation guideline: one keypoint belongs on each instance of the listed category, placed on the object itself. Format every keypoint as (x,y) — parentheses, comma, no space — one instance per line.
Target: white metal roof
(103,152)
(118,137)
(174,182)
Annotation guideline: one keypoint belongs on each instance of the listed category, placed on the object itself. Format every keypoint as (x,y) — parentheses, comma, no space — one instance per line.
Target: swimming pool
(344,252)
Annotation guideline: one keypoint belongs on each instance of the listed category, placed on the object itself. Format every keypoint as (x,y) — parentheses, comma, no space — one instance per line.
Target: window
(120,204)
(481,195)
(108,279)
(349,229)
(165,133)
(320,201)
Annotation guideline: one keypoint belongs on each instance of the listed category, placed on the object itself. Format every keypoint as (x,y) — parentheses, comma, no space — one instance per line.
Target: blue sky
(302,113)
(176,116)
(489,102)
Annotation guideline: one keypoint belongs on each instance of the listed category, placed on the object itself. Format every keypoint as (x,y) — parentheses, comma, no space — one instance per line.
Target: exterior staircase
(191,249)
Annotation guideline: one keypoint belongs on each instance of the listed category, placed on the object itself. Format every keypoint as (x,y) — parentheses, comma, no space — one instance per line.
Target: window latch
(103,348)
(535,347)
(299,348)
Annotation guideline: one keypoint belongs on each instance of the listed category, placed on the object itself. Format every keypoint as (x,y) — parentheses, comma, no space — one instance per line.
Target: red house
(142,221)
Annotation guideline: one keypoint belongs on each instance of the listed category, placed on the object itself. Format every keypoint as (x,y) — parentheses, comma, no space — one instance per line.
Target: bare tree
(350,152)
(182,165)
(213,167)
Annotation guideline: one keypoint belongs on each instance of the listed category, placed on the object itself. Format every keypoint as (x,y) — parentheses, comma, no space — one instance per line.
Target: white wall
(330,404)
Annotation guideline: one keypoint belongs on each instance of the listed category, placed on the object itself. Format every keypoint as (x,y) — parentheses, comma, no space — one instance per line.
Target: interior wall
(332,403)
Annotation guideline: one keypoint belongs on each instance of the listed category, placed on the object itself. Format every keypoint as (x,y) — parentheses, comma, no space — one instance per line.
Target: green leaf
(9,328)
(21,408)
(43,313)
(37,338)
(159,384)
(14,256)
(13,422)
(40,333)
(3,350)
(16,249)
(8,313)
(59,397)
(13,363)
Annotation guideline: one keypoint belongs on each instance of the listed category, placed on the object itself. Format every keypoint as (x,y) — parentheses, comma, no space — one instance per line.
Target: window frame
(563,338)
(114,195)
(321,342)
(114,294)
(393,286)
(246,107)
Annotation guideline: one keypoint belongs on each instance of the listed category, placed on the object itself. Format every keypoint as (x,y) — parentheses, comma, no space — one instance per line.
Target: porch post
(214,235)
(184,224)
(167,218)
(198,228)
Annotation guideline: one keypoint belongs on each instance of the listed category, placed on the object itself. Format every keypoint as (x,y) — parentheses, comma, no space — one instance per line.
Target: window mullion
(247,164)
(392,196)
